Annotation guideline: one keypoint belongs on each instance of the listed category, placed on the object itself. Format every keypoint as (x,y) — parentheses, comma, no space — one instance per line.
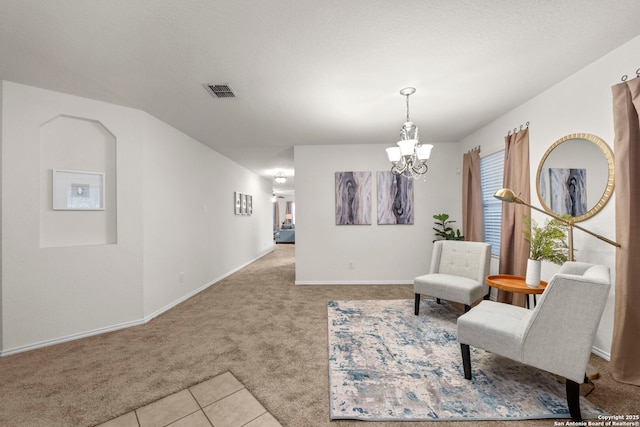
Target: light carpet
(386,364)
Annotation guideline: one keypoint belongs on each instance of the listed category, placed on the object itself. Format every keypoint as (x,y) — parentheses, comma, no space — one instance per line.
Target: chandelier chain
(407,96)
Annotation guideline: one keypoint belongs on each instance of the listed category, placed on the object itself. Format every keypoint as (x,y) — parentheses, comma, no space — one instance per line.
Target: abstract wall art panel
(243,198)
(353,198)
(568,191)
(395,199)
(237,200)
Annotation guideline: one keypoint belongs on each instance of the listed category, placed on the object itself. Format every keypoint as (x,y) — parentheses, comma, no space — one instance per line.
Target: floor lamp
(507,195)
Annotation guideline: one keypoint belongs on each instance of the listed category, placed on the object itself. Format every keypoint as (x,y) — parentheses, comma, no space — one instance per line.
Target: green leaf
(444,230)
(546,242)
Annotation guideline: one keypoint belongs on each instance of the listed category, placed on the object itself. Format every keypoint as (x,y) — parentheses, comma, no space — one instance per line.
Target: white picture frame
(237,200)
(77,190)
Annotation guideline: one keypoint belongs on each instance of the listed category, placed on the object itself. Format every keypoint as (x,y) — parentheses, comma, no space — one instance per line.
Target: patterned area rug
(385,364)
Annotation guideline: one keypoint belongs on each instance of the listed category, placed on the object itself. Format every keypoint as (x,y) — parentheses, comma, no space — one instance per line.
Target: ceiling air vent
(219,91)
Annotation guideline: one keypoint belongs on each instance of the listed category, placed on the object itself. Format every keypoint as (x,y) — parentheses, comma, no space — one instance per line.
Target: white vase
(533,273)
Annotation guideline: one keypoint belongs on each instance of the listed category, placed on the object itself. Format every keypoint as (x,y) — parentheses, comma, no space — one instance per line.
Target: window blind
(491,177)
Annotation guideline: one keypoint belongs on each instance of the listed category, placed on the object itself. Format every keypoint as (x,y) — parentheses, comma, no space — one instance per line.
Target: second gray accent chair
(557,336)
(457,273)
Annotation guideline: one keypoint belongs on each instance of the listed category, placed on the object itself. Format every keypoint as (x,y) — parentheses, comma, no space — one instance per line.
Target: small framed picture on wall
(237,199)
(78,190)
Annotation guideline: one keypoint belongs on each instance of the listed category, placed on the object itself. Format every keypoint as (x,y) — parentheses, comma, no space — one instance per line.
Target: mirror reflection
(576,176)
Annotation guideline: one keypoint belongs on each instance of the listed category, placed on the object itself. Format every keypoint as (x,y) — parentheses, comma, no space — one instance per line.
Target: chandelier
(280,178)
(409,158)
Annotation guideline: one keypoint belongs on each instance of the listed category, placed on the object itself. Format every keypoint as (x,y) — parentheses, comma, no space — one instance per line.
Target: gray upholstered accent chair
(557,336)
(457,273)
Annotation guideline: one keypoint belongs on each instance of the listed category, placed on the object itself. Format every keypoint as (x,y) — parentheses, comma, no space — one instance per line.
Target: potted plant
(546,243)
(444,230)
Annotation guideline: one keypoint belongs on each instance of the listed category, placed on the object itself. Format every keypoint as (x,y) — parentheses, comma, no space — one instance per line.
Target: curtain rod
(515,130)
(624,78)
(477,147)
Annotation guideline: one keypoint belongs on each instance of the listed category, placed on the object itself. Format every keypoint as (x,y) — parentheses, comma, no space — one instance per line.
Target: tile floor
(220,402)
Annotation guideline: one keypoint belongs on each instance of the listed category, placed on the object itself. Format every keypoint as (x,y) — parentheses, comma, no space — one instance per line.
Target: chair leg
(466,360)
(573,399)
(438,301)
(417,305)
(467,308)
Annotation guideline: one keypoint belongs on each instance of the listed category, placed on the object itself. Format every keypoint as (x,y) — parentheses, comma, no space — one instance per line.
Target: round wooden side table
(511,283)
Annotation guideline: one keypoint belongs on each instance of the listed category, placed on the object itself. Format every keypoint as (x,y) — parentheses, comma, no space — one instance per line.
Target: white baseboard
(72,337)
(182,299)
(598,352)
(354,282)
(129,324)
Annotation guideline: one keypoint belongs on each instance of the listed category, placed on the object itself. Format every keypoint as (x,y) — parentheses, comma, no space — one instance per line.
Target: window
(290,212)
(491,173)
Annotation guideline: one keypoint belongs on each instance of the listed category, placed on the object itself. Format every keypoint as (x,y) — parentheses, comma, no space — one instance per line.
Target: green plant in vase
(546,243)
(444,231)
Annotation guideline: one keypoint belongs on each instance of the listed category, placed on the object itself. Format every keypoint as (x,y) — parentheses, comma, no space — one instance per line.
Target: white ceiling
(308,71)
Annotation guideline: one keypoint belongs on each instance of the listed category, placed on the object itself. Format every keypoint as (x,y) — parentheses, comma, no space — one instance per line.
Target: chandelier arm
(422,169)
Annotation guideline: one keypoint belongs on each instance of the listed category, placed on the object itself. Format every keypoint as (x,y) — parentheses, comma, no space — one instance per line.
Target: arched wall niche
(77,144)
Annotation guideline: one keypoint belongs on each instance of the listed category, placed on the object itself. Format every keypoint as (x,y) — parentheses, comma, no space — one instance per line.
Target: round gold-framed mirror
(576,176)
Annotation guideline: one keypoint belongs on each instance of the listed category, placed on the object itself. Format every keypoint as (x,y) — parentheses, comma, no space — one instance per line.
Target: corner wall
(174,213)
(581,103)
(378,253)
(192,237)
